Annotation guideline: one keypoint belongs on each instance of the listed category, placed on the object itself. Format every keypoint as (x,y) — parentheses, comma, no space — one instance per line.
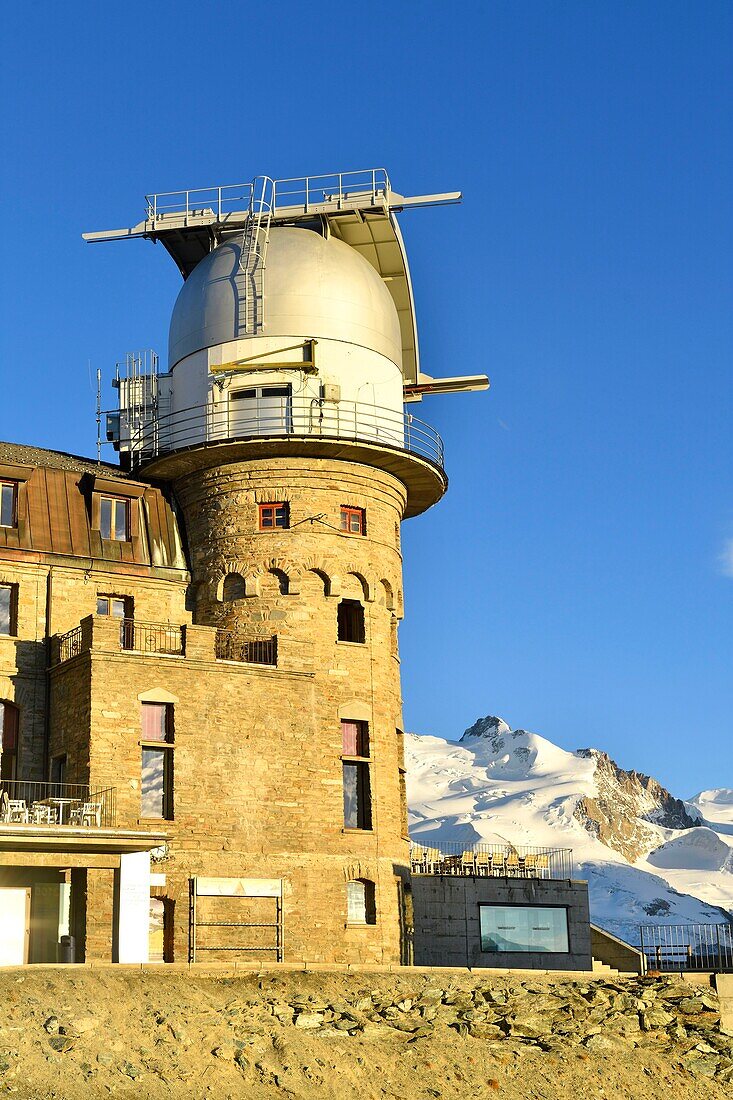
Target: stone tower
(281,431)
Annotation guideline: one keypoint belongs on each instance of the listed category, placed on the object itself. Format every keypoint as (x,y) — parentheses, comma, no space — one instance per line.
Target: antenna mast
(99,416)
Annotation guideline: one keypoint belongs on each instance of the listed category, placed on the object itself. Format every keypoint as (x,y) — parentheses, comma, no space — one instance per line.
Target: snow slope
(643,856)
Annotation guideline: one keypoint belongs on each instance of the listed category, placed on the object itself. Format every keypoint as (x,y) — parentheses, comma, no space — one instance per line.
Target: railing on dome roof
(331,190)
(293,417)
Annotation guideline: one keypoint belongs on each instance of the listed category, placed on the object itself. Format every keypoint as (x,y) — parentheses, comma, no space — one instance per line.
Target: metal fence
(303,192)
(158,638)
(687,946)
(29,802)
(70,644)
(294,417)
(254,651)
(497,860)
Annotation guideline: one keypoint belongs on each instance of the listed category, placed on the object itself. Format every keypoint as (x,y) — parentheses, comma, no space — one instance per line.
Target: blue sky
(575,578)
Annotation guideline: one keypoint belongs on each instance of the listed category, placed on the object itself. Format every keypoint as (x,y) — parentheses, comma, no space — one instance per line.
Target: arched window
(8,740)
(282,579)
(360,907)
(233,587)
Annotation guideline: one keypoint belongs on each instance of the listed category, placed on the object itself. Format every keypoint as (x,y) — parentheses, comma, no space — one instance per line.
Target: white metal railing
(293,417)
(332,189)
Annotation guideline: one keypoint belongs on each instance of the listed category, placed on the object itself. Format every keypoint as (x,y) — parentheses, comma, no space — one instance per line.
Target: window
(119,607)
(8,608)
(114,518)
(264,410)
(233,588)
(351,626)
(274,515)
(58,769)
(355,772)
(360,907)
(8,740)
(157,761)
(353,520)
(8,503)
(523,928)
(355,738)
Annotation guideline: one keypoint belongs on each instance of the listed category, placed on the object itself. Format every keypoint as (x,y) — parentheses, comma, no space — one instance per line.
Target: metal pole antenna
(99,416)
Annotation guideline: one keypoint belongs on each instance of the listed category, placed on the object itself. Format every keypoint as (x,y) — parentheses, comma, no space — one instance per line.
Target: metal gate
(233,931)
(687,946)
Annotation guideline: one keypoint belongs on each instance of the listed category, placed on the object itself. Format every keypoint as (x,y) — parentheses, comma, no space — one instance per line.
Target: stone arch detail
(367,584)
(228,568)
(388,592)
(324,570)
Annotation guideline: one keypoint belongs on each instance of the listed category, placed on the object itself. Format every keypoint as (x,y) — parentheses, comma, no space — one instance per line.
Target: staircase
(604,971)
(250,278)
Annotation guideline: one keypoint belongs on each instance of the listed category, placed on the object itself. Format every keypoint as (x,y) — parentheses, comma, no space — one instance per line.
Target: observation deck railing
(368,186)
(296,418)
(492,860)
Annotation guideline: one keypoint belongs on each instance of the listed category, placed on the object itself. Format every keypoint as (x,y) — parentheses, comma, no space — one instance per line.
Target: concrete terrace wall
(446,915)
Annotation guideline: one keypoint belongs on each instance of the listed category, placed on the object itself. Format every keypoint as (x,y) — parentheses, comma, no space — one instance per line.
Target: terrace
(492,861)
(56,805)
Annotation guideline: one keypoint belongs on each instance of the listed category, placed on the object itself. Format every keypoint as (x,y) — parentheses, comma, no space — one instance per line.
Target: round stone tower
(281,428)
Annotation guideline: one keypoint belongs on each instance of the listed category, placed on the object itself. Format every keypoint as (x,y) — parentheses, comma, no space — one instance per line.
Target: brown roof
(56,510)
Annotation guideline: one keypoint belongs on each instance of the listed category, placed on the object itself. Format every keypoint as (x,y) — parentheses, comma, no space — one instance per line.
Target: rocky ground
(85,1033)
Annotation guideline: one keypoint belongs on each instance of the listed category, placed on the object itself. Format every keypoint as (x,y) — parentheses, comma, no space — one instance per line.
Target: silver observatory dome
(315,287)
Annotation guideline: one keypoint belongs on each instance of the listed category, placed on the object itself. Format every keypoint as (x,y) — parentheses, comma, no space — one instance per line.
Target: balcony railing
(70,644)
(253,651)
(687,946)
(293,418)
(492,860)
(26,802)
(161,639)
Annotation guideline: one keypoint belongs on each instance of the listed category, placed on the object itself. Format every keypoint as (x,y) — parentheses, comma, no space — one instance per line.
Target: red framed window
(276,514)
(353,520)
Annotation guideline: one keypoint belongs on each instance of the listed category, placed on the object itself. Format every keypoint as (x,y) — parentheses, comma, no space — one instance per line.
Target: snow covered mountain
(648,857)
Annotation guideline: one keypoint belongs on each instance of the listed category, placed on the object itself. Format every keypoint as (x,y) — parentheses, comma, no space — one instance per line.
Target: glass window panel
(121,525)
(117,608)
(105,518)
(355,523)
(351,796)
(7,505)
(155,721)
(281,513)
(356,902)
(523,928)
(344,520)
(350,738)
(153,782)
(102,605)
(6,608)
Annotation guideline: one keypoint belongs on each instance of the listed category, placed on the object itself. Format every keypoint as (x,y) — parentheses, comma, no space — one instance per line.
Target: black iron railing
(495,860)
(30,802)
(70,644)
(253,651)
(680,947)
(157,638)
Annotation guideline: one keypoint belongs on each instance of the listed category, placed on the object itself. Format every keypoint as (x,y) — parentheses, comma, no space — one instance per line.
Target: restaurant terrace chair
(17,810)
(417,857)
(530,866)
(90,813)
(433,857)
(468,863)
(41,814)
(543,866)
(512,864)
(483,863)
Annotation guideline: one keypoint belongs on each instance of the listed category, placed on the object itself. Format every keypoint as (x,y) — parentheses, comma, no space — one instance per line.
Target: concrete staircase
(604,971)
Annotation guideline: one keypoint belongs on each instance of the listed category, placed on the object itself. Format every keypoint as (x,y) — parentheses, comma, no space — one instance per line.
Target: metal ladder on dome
(252,258)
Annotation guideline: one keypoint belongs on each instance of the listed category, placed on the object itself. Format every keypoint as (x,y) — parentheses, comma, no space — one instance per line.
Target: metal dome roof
(315,287)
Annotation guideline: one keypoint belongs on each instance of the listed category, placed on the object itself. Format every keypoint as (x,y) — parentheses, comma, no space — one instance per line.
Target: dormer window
(114,518)
(8,503)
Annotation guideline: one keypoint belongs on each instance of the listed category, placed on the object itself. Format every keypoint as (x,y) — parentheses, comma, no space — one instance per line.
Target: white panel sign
(134,908)
(239,887)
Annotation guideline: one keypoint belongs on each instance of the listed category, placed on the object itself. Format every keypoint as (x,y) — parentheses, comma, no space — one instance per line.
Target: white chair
(17,810)
(41,814)
(89,813)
